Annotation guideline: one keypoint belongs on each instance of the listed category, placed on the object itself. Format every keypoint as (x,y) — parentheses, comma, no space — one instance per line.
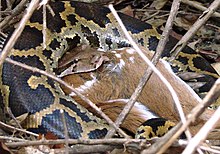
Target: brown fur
(120,83)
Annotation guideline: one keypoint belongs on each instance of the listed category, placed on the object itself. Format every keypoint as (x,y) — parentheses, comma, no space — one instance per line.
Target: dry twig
(29,11)
(44,31)
(12,139)
(17,129)
(115,141)
(199,7)
(66,134)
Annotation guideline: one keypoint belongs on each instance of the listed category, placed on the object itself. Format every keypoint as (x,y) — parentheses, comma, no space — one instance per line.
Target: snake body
(75,23)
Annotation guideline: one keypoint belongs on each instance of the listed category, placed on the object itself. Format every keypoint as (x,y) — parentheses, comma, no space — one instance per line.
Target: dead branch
(199,7)
(112,141)
(66,134)
(16,129)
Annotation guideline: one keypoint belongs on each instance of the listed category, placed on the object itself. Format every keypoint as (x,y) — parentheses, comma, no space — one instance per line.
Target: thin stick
(8,110)
(165,35)
(210,149)
(98,110)
(115,141)
(65,131)
(0,12)
(199,7)
(12,138)
(198,24)
(134,144)
(32,6)
(44,31)
(204,147)
(161,46)
(17,129)
(82,149)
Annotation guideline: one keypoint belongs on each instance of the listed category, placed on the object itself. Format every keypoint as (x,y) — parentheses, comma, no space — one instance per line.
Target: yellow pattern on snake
(75,23)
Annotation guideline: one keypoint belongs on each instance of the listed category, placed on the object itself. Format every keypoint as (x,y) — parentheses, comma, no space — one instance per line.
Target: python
(70,26)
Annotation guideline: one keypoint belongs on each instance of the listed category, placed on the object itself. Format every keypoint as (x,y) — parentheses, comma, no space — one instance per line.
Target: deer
(108,79)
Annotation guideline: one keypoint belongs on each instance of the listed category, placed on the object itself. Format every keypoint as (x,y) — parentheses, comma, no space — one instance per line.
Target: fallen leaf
(158,4)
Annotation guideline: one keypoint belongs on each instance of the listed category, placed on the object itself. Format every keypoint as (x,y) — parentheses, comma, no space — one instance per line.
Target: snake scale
(75,23)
